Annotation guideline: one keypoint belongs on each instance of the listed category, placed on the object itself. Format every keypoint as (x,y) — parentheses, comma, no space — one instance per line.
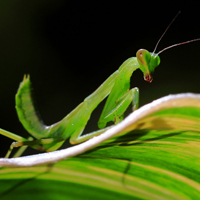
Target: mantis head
(148,62)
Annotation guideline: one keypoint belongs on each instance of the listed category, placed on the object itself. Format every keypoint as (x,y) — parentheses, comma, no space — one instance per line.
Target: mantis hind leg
(78,138)
(36,144)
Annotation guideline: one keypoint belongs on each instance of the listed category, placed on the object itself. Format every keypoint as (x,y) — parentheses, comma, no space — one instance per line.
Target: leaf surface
(158,159)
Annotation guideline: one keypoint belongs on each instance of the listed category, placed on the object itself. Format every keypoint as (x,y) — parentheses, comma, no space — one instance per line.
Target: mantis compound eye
(143,56)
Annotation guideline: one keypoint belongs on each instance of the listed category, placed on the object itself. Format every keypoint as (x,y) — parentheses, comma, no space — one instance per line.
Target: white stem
(170,101)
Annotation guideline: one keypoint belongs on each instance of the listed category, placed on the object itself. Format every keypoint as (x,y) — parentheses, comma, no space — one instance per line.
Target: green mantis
(117,86)
(49,138)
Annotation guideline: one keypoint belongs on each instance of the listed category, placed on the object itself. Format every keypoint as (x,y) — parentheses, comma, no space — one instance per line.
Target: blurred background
(70,47)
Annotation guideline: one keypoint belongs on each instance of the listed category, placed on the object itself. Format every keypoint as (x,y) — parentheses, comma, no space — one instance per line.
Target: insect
(117,86)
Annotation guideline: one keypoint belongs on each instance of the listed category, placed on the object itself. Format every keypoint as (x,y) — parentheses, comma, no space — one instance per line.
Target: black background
(70,47)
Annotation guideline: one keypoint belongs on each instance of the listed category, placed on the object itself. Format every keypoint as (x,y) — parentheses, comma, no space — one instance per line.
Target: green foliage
(159,159)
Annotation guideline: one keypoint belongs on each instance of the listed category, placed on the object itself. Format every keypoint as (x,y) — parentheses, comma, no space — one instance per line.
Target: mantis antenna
(166,31)
(174,45)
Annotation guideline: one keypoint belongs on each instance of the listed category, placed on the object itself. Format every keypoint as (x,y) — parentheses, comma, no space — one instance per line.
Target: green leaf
(158,159)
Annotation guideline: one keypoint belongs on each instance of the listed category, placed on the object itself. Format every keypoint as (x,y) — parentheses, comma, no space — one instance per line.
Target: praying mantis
(117,86)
